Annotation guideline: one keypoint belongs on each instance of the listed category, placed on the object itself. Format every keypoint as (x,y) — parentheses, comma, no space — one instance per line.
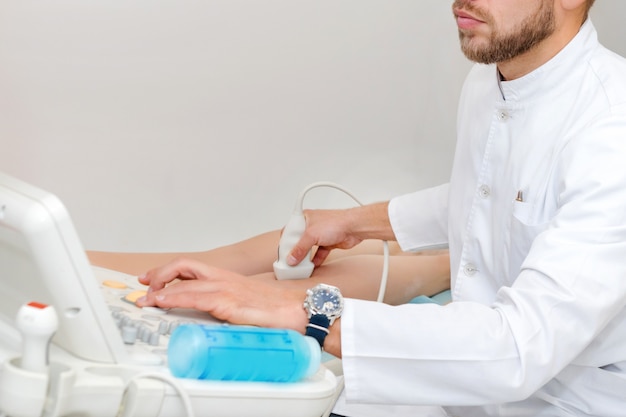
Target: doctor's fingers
(325,229)
(320,256)
(184,269)
(207,296)
(239,302)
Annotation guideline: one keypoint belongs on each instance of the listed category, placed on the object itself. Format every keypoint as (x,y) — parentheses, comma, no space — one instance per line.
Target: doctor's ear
(573,5)
(573,9)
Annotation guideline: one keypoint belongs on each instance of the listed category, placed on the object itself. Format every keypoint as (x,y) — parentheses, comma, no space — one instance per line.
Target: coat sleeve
(419,220)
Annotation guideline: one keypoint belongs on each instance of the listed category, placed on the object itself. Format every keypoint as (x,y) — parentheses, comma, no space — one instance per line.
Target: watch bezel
(312,309)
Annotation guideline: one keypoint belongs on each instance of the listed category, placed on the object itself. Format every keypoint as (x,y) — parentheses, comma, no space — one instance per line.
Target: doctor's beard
(504,45)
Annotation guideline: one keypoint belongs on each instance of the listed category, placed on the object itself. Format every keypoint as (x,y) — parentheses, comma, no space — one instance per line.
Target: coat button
(470,269)
(484,191)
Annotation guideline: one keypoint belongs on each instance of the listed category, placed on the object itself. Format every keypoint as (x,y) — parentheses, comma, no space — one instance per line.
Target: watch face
(326,300)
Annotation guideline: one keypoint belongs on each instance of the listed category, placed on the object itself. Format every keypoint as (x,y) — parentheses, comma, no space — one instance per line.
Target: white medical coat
(538,322)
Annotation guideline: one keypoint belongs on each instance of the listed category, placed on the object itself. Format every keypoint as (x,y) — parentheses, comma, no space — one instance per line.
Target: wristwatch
(323,304)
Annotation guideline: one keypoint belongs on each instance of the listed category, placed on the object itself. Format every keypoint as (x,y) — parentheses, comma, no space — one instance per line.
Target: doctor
(535,219)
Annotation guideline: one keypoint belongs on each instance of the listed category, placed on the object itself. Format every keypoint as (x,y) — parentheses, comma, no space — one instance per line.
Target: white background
(180,125)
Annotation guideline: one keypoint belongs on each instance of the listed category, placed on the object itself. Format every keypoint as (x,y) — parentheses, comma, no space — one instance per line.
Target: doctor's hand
(340,229)
(326,229)
(225,295)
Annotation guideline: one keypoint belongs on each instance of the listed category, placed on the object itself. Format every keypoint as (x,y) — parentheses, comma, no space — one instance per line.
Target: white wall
(182,125)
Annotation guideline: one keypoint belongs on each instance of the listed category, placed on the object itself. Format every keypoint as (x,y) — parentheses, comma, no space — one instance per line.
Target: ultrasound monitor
(42,259)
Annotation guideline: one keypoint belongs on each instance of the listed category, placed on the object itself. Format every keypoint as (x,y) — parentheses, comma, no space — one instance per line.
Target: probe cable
(184,396)
(383,281)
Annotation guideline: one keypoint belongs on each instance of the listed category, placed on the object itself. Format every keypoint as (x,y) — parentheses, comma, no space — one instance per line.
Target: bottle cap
(182,352)
(315,354)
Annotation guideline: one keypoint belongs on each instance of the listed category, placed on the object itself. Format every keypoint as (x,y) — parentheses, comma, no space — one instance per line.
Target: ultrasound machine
(62,352)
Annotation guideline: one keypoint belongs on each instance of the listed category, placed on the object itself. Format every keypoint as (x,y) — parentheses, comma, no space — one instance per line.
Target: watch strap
(318,328)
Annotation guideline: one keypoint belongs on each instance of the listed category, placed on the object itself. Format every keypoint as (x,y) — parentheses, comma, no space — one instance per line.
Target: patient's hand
(224,294)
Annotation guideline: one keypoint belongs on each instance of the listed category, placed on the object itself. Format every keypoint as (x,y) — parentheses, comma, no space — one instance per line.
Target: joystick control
(37,323)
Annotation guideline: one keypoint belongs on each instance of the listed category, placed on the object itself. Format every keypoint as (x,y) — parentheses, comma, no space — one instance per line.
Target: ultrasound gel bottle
(241,353)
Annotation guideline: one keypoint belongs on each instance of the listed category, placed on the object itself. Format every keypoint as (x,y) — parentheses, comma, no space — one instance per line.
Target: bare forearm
(370,222)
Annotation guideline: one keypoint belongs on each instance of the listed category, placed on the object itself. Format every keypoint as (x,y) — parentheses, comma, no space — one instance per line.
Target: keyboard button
(129,334)
(154,339)
(117,285)
(132,297)
(163,327)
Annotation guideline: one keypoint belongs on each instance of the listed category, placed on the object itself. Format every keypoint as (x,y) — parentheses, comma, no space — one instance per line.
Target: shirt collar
(552,72)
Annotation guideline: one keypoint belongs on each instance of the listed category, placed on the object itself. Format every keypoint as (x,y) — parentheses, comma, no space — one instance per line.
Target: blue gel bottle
(241,353)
